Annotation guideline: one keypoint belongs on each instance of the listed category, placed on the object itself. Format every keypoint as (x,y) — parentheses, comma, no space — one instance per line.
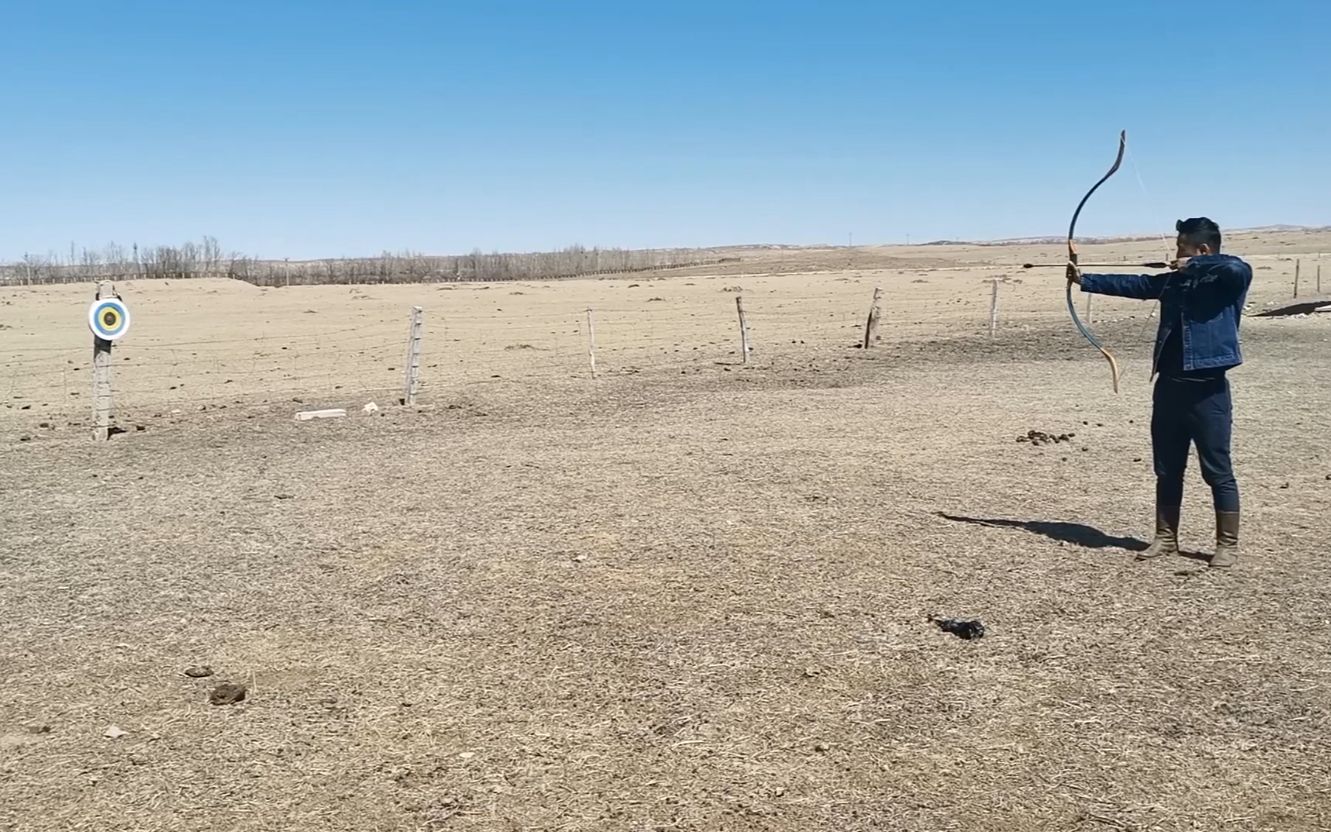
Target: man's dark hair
(1200,231)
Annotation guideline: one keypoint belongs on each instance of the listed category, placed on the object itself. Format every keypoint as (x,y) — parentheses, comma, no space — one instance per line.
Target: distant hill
(1028,241)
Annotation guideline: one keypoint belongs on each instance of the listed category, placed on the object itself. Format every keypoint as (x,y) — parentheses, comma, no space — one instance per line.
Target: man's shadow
(1075,533)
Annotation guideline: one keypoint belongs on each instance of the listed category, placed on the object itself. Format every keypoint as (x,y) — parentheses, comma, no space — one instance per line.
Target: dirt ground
(687,594)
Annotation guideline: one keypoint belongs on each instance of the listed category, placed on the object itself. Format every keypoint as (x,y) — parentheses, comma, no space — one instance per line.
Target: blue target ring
(108,319)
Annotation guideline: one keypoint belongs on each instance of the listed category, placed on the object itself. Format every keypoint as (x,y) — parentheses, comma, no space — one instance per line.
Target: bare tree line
(205,259)
(409,267)
(115,262)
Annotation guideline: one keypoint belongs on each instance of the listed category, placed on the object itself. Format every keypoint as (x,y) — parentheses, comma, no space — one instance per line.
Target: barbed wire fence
(155,380)
(466,348)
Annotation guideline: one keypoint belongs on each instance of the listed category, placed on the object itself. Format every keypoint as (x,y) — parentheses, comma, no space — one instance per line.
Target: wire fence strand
(472,347)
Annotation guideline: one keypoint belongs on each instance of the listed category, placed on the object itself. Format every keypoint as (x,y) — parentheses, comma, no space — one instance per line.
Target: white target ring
(108,319)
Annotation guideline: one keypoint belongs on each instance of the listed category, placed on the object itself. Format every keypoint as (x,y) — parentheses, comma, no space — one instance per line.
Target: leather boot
(1166,534)
(1226,540)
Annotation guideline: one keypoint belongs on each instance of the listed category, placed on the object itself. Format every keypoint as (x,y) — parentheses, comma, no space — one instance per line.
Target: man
(1201,304)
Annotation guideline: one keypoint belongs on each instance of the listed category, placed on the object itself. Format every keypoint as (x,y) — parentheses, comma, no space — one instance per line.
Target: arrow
(1154,265)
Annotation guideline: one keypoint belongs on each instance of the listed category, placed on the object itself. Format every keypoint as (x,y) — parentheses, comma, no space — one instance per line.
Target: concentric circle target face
(108,319)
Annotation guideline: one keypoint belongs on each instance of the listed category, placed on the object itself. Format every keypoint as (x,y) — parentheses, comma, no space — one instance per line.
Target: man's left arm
(1137,286)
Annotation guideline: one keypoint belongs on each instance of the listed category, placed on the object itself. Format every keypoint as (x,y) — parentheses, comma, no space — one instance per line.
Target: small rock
(812,672)
(822,747)
(199,671)
(227,693)
(25,438)
(370,408)
(115,732)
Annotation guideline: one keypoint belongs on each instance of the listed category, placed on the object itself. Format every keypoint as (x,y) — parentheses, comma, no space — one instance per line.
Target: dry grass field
(688,594)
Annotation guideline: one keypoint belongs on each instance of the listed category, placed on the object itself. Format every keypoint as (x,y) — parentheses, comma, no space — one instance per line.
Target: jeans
(1191,411)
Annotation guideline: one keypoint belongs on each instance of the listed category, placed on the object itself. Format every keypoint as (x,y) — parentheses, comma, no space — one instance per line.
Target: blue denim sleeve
(1139,286)
(1230,281)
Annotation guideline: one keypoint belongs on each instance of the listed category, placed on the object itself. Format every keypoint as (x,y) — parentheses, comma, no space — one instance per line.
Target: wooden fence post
(871,325)
(591,340)
(1319,274)
(412,382)
(993,309)
(101,378)
(1297,264)
(743,330)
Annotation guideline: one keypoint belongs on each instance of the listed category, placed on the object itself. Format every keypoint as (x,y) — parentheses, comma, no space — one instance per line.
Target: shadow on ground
(1076,533)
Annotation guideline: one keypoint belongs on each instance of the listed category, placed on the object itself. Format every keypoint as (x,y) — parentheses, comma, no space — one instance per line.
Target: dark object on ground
(227,693)
(198,671)
(1039,437)
(1306,307)
(961,628)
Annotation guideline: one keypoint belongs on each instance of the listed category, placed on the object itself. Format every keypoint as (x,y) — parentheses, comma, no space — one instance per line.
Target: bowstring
(1164,241)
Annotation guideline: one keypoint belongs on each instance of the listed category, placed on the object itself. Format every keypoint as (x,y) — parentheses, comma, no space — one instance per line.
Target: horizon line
(994,242)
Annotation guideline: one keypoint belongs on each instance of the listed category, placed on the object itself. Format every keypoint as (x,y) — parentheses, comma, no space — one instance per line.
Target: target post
(108,318)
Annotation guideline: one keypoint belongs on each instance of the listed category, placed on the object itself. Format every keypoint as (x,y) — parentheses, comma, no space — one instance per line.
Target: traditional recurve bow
(1072,258)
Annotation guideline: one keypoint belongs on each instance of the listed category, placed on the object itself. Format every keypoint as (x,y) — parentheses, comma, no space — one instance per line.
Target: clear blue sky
(309,129)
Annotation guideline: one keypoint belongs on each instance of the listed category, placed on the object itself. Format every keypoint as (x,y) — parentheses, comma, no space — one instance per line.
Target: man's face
(1186,249)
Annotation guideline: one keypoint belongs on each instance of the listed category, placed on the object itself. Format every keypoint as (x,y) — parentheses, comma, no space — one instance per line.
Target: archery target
(108,319)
